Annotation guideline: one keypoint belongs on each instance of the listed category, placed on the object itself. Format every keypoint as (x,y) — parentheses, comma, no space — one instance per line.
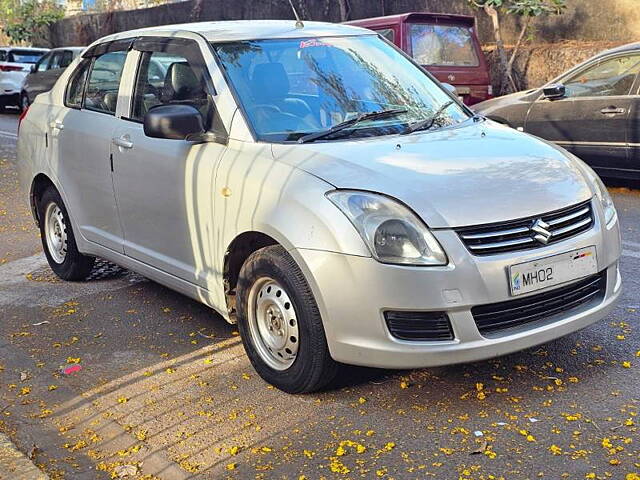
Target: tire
(55,231)
(294,317)
(24,102)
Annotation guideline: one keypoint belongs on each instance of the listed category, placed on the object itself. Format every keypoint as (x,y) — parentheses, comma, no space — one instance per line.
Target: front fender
(258,193)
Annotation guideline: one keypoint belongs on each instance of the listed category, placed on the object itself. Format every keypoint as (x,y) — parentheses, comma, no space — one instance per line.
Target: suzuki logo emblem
(451,77)
(541,230)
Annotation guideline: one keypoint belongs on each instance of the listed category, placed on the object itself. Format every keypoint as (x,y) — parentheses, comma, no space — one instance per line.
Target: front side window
(75,88)
(444,45)
(605,78)
(168,78)
(292,87)
(104,82)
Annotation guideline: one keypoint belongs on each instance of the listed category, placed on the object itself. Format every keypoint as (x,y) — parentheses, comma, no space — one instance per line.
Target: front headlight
(606,201)
(392,232)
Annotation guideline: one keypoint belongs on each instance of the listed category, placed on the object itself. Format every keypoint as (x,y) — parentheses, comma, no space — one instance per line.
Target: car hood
(472,174)
(488,106)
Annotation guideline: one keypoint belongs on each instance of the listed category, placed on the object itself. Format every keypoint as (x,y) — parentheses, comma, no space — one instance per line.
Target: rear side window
(42,64)
(67,58)
(75,88)
(55,61)
(104,82)
(443,45)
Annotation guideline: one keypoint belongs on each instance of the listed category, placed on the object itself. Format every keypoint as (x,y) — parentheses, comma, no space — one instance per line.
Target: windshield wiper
(427,123)
(310,137)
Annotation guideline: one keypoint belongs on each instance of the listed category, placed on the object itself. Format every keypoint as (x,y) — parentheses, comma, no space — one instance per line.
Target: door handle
(56,124)
(612,111)
(123,142)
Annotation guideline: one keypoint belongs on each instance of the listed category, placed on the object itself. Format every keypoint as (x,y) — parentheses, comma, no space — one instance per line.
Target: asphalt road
(166,390)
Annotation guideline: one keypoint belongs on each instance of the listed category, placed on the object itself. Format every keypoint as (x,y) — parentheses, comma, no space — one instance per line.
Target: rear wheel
(58,239)
(24,101)
(280,324)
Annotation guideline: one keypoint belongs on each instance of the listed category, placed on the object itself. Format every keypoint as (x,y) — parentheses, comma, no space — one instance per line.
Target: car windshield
(24,56)
(444,45)
(290,88)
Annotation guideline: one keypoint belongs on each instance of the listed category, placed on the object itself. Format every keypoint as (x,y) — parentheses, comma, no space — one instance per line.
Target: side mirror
(174,122)
(33,68)
(450,88)
(554,91)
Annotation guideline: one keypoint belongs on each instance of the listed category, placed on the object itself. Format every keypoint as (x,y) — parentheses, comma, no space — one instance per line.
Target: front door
(165,188)
(591,120)
(81,134)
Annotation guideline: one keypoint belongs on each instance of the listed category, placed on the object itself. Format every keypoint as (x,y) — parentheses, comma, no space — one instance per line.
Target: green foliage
(535,8)
(29,19)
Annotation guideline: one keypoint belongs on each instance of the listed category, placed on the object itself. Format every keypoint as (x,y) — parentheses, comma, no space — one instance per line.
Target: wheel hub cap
(273,323)
(55,231)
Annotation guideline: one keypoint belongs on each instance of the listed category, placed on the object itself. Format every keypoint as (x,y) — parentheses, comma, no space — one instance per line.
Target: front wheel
(280,324)
(58,240)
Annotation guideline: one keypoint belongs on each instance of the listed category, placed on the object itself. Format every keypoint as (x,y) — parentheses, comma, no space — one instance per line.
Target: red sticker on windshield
(312,43)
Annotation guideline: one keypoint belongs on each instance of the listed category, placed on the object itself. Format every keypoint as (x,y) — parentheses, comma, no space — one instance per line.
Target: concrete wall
(585,20)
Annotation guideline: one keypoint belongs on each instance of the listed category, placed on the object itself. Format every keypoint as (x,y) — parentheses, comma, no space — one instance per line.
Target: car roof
(415,16)
(73,49)
(26,49)
(236,30)
(622,48)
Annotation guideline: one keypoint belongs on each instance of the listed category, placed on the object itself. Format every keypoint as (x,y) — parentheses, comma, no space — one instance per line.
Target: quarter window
(605,78)
(75,89)
(104,82)
(387,33)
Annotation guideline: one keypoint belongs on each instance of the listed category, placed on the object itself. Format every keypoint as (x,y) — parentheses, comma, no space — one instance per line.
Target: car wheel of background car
(3,105)
(58,240)
(24,101)
(280,324)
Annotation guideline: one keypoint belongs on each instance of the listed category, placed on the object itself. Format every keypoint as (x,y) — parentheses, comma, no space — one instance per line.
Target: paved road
(166,390)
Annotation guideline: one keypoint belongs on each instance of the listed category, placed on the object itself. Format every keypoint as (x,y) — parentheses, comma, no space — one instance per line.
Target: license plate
(550,271)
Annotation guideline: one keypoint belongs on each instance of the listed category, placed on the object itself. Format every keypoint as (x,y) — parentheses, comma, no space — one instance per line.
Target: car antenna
(299,23)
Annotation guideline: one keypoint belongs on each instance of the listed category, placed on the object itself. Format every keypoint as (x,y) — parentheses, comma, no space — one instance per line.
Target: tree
(29,20)
(528,10)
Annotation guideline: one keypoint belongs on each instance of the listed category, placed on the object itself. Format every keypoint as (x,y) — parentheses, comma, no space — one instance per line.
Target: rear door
(82,132)
(633,165)
(592,119)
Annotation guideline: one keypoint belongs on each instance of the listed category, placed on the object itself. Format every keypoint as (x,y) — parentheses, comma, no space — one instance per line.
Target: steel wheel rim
(55,231)
(273,324)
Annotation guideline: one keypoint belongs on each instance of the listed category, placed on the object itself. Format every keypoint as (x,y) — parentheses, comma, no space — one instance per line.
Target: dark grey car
(45,73)
(593,110)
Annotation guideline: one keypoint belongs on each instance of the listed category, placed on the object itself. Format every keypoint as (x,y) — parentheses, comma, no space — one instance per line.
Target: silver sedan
(316,186)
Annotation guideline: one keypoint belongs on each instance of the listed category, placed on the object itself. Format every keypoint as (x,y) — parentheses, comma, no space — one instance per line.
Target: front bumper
(353,292)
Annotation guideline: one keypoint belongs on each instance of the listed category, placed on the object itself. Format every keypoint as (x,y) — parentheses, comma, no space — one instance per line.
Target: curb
(14,465)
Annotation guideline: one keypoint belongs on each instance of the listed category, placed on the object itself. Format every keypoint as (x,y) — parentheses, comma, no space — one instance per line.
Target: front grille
(419,326)
(496,317)
(524,234)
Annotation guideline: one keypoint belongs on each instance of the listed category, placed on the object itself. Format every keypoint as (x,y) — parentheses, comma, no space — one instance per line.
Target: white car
(15,64)
(316,186)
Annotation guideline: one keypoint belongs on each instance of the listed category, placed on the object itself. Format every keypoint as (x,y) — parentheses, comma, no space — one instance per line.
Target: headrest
(270,80)
(182,81)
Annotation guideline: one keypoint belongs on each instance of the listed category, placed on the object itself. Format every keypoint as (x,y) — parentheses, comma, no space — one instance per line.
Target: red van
(446,45)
